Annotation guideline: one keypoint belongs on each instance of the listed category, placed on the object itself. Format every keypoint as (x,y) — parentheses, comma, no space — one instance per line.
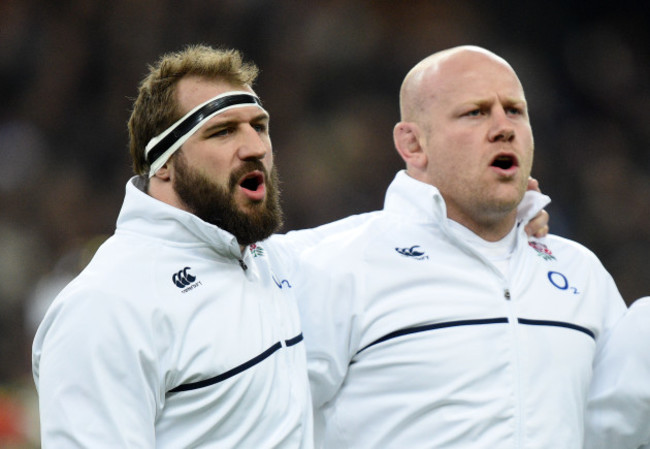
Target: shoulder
(351,242)
(299,240)
(565,244)
(112,296)
(574,259)
(636,320)
(641,305)
(566,250)
(85,310)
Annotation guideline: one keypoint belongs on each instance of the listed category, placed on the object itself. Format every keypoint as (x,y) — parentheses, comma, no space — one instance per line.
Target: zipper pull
(506,294)
(243,265)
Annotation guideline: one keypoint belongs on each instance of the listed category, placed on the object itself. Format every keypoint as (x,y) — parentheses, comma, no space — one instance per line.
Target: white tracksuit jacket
(415,340)
(618,412)
(166,341)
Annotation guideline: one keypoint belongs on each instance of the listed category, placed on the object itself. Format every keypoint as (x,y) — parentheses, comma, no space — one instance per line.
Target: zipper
(513,324)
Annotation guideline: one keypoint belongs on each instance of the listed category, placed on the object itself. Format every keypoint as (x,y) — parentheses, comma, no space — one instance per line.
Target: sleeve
(326,300)
(292,244)
(95,373)
(331,327)
(613,303)
(618,410)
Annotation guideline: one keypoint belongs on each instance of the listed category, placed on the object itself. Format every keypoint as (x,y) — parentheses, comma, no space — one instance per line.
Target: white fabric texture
(123,334)
(618,412)
(414,339)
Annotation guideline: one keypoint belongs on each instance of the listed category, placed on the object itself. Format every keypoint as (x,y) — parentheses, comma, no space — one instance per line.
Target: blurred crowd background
(330,76)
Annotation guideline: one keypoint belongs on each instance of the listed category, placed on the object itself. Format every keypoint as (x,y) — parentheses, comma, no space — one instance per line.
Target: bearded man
(183,331)
(178,334)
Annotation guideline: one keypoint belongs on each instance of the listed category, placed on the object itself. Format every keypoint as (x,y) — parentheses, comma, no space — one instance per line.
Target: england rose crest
(542,250)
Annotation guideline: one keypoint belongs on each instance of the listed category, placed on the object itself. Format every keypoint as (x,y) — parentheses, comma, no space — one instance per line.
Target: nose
(252,145)
(501,129)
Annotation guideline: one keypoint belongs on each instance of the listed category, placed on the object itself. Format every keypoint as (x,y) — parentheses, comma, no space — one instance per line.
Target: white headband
(160,148)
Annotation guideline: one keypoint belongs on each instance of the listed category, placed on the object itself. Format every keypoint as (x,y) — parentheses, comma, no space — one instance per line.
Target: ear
(164,172)
(407,138)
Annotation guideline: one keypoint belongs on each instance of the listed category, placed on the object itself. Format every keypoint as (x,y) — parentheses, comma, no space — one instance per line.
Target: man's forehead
(465,56)
(476,81)
(467,78)
(192,91)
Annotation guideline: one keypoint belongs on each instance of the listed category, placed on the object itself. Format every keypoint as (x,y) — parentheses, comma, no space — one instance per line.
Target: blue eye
(221,133)
(260,127)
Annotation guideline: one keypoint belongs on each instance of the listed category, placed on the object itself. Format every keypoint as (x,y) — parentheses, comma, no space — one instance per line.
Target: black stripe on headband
(190,122)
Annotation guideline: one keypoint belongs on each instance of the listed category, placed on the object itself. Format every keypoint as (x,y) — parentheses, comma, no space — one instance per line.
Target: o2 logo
(561,282)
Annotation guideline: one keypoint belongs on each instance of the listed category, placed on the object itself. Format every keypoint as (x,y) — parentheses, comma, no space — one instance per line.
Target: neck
(162,190)
(490,230)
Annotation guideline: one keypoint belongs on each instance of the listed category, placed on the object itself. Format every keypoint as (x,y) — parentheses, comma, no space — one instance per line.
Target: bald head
(420,85)
(465,130)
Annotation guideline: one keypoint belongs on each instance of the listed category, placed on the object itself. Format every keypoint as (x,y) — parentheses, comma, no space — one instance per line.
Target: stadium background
(330,75)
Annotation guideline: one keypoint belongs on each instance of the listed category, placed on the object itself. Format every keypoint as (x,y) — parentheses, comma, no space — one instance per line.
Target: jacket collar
(143,214)
(414,199)
(423,202)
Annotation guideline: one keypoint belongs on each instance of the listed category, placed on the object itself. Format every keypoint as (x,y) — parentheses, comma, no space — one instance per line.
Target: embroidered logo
(542,250)
(281,283)
(256,251)
(412,252)
(184,279)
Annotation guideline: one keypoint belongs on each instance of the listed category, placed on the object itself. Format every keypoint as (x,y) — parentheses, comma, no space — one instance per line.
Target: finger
(533,184)
(538,226)
(542,232)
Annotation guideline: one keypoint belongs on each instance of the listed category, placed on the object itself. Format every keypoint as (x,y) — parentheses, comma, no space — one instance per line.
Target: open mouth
(505,162)
(253,186)
(252,182)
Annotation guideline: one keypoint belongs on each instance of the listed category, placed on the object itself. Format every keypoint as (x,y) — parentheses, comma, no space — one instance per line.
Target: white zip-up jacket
(170,338)
(618,411)
(415,340)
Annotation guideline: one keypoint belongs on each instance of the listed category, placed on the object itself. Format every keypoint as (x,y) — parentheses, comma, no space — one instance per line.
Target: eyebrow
(229,122)
(507,102)
(516,101)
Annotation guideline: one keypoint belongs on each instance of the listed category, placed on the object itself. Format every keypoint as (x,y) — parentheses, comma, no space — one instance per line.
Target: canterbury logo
(183,278)
(412,252)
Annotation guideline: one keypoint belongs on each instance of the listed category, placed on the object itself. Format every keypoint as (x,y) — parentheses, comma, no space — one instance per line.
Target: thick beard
(216,205)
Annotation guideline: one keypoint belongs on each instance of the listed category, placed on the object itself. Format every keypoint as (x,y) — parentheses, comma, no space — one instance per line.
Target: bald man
(436,322)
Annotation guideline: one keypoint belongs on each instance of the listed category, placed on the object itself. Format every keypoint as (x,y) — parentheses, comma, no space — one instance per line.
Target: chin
(511,192)
(248,207)
(504,204)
